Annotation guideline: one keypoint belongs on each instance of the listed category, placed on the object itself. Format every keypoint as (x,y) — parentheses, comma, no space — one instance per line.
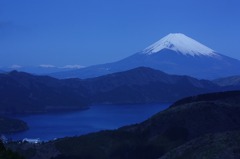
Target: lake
(100,117)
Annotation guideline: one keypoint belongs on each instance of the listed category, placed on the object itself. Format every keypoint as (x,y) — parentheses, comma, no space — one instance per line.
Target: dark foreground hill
(211,146)
(181,131)
(8,154)
(25,93)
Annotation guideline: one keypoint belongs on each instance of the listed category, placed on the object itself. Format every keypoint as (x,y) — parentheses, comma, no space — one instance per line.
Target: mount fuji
(174,54)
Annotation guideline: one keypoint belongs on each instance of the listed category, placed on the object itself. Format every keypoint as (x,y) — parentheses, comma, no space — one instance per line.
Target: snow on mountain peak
(180,43)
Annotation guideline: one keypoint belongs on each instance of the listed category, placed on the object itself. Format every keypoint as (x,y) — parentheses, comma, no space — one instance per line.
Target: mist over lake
(98,117)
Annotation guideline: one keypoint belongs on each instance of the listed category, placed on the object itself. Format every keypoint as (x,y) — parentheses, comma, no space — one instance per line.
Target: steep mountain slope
(183,123)
(180,43)
(174,54)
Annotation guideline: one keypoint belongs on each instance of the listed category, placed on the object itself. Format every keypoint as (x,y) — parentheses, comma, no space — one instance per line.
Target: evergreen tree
(2,148)
(7,154)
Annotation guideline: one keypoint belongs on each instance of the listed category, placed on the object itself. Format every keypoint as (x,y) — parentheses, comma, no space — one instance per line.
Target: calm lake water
(100,117)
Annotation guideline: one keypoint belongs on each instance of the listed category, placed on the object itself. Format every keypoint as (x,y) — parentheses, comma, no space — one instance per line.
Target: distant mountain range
(203,126)
(173,54)
(228,81)
(25,93)
(41,69)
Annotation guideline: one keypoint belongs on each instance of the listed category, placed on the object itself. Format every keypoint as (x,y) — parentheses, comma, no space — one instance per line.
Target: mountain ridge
(140,85)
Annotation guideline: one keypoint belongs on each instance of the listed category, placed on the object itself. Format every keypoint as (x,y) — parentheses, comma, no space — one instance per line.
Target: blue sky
(88,32)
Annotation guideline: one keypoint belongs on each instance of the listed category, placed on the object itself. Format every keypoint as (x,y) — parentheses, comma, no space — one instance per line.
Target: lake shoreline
(49,126)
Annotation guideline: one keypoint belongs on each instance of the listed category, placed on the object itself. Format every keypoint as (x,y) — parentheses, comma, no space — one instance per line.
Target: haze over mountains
(228,81)
(41,69)
(173,54)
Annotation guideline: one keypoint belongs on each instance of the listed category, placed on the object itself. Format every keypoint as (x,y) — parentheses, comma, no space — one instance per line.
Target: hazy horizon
(60,33)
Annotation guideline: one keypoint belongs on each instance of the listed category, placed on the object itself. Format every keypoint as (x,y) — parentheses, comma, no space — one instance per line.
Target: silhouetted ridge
(229,95)
(25,93)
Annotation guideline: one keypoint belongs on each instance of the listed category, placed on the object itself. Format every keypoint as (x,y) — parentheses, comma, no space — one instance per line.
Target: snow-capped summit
(180,43)
(173,54)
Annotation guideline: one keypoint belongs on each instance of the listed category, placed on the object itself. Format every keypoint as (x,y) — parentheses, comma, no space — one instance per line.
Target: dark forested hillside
(25,93)
(182,129)
(164,131)
(8,154)
(144,85)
